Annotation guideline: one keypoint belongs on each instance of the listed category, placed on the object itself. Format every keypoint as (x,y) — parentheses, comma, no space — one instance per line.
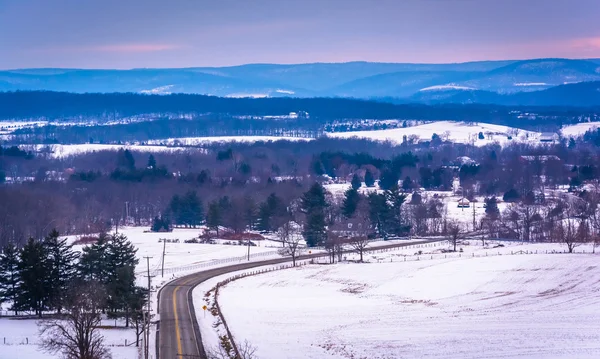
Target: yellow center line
(177,334)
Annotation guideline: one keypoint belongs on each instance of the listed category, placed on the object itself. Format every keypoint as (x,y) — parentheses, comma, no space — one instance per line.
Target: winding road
(178,333)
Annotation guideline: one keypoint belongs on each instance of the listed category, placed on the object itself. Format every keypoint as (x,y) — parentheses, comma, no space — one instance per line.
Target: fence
(34,339)
(211,263)
(240,276)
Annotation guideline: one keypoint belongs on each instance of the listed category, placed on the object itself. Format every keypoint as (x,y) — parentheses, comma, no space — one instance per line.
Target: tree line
(38,276)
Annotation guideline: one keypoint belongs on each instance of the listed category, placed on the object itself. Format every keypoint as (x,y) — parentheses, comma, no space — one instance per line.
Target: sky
(187,33)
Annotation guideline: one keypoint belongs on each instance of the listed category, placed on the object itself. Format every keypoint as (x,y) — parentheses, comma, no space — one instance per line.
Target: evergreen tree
(62,266)
(151,162)
(481,137)
(369,179)
(125,160)
(121,268)
(572,143)
(314,198)
(313,204)
(491,207)
(394,223)
(356,182)
(379,213)
(388,179)
(350,203)
(160,224)
(35,285)
(9,275)
(93,264)
(407,184)
(214,217)
(268,211)
(314,230)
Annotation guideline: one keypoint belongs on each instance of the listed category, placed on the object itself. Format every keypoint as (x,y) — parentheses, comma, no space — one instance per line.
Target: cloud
(586,45)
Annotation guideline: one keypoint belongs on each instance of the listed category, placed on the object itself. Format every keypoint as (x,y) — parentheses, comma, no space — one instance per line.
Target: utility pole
(162,269)
(147,320)
(248,250)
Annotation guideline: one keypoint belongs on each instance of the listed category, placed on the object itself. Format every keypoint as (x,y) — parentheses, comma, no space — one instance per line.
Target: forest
(177,115)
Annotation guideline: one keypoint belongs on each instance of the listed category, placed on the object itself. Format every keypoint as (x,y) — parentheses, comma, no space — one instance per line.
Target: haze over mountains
(566,82)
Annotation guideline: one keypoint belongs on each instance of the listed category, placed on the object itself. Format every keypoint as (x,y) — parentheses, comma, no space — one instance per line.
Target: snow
(459,132)
(195,141)
(162,90)
(531,84)
(248,95)
(287,92)
(183,257)
(446,87)
(579,129)
(508,306)
(19,339)
(71,150)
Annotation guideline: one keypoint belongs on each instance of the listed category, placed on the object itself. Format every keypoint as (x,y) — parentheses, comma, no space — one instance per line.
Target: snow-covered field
(578,129)
(19,339)
(501,306)
(195,141)
(72,150)
(459,132)
(184,257)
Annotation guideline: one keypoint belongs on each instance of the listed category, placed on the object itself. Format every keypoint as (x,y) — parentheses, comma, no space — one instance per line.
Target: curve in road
(178,334)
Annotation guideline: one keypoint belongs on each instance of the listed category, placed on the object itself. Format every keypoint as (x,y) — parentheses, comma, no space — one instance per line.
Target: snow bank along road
(178,331)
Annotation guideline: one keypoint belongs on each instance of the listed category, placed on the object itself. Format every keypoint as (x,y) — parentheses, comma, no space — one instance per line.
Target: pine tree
(313,204)
(34,287)
(121,268)
(394,222)
(356,182)
(214,217)
(93,264)
(151,162)
(9,275)
(388,179)
(314,230)
(62,264)
(268,211)
(314,198)
(379,212)
(350,203)
(369,179)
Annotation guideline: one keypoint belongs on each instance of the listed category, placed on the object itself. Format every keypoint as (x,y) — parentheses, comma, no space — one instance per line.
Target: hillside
(584,94)
(353,79)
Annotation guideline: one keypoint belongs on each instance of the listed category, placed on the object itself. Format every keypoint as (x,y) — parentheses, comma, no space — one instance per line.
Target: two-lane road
(179,336)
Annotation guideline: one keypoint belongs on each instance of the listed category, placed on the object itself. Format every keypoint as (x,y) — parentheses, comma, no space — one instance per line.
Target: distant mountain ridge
(352,79)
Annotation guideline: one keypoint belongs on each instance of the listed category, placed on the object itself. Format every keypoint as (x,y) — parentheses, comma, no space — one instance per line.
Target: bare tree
(75,335)
(333,246)
(290,235)
(246,351)
(454,232)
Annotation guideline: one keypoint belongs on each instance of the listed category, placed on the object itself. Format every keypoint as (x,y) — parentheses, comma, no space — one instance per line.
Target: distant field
(459,132)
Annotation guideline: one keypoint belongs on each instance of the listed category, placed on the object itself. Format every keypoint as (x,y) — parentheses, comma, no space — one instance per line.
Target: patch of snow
(248,95)
(531,84)
(162,90)
(578,129)
(288,92)
(446,87)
